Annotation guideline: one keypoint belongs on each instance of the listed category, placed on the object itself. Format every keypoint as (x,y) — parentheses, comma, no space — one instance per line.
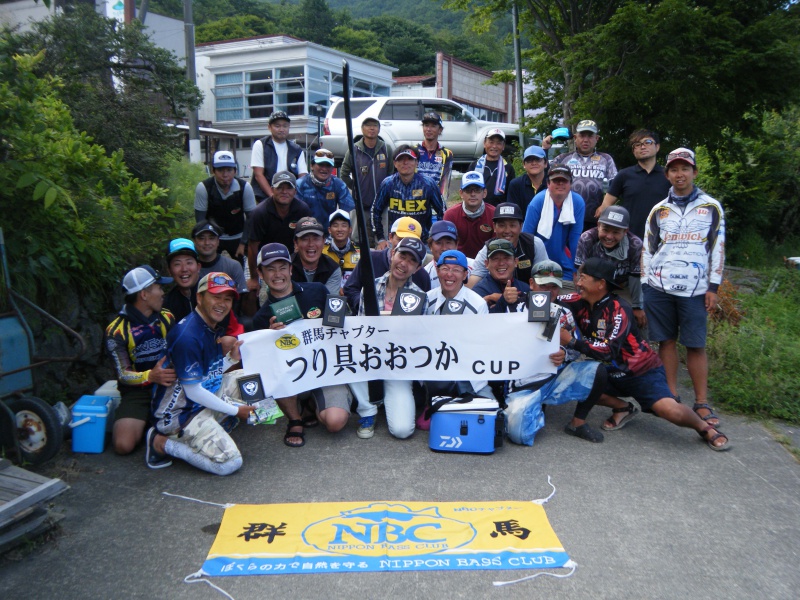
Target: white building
(244,81)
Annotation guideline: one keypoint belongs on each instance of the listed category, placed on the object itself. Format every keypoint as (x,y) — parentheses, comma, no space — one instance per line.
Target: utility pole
(518,66)
(195,155)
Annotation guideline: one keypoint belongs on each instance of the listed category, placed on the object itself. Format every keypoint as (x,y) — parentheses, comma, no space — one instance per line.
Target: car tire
(38,429)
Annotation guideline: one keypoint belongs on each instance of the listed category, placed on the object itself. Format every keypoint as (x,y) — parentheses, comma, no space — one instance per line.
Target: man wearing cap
(634,369)
(682,263)
(371,167)
(528,249)
(205,236)
(275,153)
(435,161)
(406,194)
(339,247)
(522,189)
(500,289)
(497,173)
(274,221)
(398,399)
(181,300)
(188,413)
(591,170)
(308,262)
(556,217)
(227,200)
(583,382)
(444,236)
(641,186)
(332,402)
(323,192)
(137,341)
(473,217)
(613,241)
(381,259)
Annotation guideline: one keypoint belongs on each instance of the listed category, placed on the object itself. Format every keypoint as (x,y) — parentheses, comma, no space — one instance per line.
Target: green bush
(754,366)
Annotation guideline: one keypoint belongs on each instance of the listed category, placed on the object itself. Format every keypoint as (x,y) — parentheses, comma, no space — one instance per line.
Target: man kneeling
(189,413)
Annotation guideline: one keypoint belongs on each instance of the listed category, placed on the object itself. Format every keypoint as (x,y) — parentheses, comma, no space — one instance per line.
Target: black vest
(227,213)
(293,152)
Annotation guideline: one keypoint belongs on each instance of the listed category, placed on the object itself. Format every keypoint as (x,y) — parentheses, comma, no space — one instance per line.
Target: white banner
(305,355)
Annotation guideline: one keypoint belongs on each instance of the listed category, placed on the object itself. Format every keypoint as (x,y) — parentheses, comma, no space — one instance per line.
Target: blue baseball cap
(472,178)
(180,246)
(535,151)
(442,229)
(452,257)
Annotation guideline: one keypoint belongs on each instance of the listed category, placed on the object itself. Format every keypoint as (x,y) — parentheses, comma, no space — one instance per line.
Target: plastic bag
(524,416)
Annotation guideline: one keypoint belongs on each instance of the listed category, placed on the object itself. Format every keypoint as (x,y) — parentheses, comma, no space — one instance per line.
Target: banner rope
(542,501)
(198,578)
(196,500)
(570,564)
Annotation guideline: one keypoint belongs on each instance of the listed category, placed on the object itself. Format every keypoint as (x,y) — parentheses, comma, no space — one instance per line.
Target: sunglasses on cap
(220,280)
(501,244)
(322,153)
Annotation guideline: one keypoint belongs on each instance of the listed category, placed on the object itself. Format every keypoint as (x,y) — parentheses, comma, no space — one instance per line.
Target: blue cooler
(475,425)
(88,424)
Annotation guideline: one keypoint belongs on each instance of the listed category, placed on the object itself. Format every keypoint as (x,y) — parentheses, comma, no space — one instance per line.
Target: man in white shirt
(275,153)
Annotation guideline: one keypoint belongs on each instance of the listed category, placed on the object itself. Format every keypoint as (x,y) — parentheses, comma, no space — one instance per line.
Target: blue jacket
(325,199)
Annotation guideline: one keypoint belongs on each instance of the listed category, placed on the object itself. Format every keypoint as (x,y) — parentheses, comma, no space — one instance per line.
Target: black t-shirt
(639,192)
(310,297)
(267,227)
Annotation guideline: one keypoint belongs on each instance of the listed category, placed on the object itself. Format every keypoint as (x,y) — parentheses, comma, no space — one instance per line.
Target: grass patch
(783,439)
(754,355)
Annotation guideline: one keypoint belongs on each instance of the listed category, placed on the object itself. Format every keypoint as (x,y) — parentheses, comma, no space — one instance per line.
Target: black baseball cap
(432,117)
(600,269)
(508,210)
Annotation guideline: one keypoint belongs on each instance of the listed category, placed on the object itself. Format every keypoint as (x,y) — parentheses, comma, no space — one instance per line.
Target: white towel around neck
(567,216)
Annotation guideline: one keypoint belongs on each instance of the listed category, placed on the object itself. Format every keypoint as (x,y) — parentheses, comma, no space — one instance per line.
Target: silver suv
(401,123)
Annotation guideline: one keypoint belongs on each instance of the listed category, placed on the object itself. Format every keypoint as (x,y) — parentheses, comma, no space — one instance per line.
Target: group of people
(626,257)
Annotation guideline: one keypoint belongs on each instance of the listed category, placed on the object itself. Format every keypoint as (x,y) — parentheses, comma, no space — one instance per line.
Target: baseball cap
(683,154)
(405,227)
(323,155)
(600,269)
(206,226)
(560,172)
(339,214)
(548,271)
(308,225)
(409,151)
(616,216)
(412,245)
(472,178)
(534,151)
(370,120)
(180,246)
(284,177)
(277,116)
(586,125)
(142,277)
(452,257)
(499,245)
(494,132)
(432,117)
(442,229)
(217,283)
(269,253)
(223,158)
(508,210)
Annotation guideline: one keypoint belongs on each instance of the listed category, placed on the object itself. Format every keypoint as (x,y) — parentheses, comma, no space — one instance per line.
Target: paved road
(650,513)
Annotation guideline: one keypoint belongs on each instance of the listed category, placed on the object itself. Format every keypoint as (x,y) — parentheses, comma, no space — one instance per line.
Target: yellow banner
(257,539)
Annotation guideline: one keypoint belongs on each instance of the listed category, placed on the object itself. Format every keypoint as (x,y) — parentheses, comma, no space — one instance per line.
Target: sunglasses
(684,155)
(322,153)
(220,280)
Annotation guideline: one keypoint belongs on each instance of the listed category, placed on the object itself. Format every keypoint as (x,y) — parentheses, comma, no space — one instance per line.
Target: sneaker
(366,427)
(585,433)
(153,458)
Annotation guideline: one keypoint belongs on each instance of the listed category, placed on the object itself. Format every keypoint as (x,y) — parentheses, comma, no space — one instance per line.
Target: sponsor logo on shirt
(313,313)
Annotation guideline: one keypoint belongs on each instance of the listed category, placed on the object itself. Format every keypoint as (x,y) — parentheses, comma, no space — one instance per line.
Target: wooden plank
(21,474)
(46,491)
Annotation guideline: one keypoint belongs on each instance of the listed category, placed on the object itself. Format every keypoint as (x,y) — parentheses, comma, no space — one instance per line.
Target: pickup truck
(401,123)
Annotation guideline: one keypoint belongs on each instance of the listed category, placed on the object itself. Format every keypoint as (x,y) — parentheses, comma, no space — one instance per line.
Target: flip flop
(630,409)
(294,434)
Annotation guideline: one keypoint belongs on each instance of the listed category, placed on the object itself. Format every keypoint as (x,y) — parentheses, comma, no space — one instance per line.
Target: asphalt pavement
(649,513)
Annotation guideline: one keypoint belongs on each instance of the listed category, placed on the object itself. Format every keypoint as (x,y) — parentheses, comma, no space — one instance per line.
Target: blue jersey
(194,351)
(419,199)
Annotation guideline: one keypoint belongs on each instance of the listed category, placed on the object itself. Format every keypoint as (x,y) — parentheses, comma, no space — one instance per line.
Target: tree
(118,85)
(232,28)
(407,45)
(361,43)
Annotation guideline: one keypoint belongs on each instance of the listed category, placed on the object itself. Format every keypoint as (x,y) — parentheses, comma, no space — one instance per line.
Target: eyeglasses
(451,269)
(322,153)
(220,280)
(642,144)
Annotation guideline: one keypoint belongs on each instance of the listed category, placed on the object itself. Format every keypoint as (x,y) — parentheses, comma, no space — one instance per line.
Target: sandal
(702,405)
(611,425)
(584,432)
(309,414)
(710,439)
(294,434)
